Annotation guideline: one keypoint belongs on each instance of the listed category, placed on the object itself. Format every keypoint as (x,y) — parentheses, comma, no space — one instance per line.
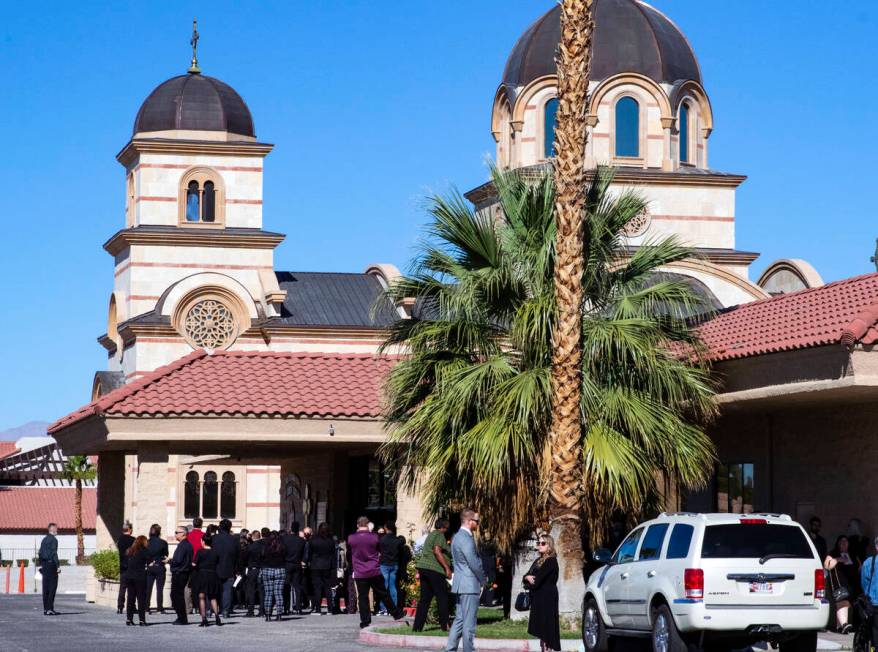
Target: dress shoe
(142,623)
(203,622)
(129,622)
(219,623)
(180,622)
(119,611)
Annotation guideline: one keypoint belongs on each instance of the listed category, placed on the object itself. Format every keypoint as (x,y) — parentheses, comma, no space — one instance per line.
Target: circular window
(210,324)
(638,225)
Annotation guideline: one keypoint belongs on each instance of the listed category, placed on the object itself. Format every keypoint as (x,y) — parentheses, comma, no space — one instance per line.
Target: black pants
(155,575)
(433,584)
(50,585)
(322,580)
(253,589)
(293,588)
(120,602)
(381,594)
(178,594)
(136,588)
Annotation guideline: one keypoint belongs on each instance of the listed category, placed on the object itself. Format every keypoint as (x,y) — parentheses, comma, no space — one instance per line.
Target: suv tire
(594,632)
(665,636)
(804,642)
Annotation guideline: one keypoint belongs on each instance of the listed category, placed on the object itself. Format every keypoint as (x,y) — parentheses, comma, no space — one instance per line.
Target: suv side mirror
(602,556)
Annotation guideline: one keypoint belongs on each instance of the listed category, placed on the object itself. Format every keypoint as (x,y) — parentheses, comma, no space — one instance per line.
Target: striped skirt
(273,584)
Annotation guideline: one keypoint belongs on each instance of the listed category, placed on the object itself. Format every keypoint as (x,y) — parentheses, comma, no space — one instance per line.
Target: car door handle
(651,573)
(624,576)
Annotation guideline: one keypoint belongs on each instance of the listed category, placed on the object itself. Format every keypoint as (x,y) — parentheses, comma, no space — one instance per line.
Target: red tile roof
(7,448)
(250,383)
(33,508)
(844,313)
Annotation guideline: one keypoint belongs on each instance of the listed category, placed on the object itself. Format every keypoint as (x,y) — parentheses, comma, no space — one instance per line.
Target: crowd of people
(268,573)
(265,573)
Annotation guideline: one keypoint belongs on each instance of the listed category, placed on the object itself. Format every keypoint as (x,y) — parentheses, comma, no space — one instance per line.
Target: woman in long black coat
(542,580)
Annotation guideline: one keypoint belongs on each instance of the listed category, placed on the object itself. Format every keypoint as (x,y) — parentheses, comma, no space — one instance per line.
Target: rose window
(638,225)
(210,324)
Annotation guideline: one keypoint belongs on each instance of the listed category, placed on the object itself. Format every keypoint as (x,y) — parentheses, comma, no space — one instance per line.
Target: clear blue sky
(371,105)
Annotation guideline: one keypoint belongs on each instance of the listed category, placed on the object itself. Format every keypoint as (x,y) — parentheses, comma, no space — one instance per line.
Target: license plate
(761,587)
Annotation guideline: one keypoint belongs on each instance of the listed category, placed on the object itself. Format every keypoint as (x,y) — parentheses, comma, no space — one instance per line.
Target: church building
(237,390)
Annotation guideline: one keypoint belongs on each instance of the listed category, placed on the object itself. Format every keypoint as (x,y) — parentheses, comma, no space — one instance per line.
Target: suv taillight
(693,584)
(819,585)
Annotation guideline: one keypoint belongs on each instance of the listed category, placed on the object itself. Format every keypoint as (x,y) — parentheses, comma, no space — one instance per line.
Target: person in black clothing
(390,547)
(50,569)
(814,533)
(252,585)
(181,568)
(124,542)
(206,584)
(294,545)
(240,591)
(155,572)
(273,570)
(323,565)
(225,545)
(135,579)
(542,580)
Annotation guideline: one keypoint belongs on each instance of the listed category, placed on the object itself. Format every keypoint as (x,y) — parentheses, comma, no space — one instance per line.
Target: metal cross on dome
(194,69)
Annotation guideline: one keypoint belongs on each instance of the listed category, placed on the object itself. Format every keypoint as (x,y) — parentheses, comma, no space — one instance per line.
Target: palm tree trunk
(565,438)
(77,508)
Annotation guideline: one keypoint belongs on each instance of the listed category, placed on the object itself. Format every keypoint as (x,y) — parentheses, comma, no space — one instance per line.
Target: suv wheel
(594,634)
(665,636)
(804,642)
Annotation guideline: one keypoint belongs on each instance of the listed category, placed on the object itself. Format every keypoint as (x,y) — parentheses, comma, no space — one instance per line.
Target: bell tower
(193,267)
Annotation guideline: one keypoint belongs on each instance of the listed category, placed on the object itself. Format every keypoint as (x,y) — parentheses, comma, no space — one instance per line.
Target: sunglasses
(542,543)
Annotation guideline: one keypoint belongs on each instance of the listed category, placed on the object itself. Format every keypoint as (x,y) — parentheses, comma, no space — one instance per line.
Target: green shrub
(106,564)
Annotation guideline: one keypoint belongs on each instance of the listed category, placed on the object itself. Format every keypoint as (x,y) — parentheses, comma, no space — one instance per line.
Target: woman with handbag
(843,579)
(542,582)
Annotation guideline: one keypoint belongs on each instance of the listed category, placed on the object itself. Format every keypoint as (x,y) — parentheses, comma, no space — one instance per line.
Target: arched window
(684,133)
(190,495)
(209,196)
(627,127)
(549,114)
(228,495)
(202,198)
(209,495)
(193,208)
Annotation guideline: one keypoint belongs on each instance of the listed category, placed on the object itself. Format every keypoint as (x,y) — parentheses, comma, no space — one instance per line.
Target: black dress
(205,579)
(543,622)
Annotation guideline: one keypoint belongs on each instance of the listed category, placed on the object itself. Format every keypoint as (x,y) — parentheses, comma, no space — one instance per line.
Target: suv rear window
(756,540)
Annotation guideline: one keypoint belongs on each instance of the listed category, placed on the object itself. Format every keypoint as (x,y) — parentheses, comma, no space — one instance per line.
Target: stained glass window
(193,212)
(684,133)
(627,127)
(550,113)
(209,495)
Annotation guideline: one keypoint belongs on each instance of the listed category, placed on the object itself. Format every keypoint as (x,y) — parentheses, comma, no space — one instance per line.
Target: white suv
(722,581)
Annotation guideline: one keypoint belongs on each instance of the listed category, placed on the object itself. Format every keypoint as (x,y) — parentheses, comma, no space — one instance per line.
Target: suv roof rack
(669,514)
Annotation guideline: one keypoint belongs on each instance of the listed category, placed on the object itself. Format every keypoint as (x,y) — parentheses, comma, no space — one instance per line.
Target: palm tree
(565,476)
(78,469)
(469,406)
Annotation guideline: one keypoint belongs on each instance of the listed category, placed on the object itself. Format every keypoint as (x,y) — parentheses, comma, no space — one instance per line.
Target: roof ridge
(336,355)
(301,271)
(859,325)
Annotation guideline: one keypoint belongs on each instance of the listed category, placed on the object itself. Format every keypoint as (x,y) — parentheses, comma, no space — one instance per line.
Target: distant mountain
(30,429)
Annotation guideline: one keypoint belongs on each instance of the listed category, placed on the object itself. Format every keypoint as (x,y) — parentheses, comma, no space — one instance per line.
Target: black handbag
(839,591)
(522,601)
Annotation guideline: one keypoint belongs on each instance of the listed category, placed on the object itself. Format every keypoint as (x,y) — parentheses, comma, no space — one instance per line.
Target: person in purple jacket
(365,555)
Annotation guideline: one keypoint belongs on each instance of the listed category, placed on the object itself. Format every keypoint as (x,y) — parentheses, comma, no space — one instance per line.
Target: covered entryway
(262,438)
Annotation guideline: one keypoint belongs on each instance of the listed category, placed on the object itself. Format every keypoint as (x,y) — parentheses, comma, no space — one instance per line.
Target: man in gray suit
(467,581)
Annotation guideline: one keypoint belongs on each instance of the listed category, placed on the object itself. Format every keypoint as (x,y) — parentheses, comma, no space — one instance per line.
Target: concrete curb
(370,637)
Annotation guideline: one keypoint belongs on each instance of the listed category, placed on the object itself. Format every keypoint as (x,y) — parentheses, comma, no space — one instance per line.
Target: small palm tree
(78,469)
(469,406)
